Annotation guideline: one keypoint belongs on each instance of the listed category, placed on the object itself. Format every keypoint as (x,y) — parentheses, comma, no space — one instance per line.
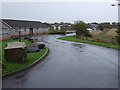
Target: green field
(31,57)
(73,38)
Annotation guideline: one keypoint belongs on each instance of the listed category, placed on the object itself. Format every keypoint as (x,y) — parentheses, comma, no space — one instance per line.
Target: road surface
(70,65)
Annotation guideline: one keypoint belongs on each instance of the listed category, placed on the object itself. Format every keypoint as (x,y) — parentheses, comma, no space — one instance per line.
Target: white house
(94,27)
(90,30)
(26,27)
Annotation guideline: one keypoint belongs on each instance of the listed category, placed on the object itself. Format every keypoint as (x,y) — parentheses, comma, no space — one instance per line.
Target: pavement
(70,65)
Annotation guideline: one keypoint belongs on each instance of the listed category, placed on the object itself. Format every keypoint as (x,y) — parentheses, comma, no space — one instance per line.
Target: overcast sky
(61,11)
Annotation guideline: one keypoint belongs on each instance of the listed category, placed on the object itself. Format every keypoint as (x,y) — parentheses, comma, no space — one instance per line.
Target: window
(4,28)
(15,30)
(25,29)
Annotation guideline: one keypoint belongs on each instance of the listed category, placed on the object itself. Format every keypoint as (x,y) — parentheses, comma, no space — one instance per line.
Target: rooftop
(24,24)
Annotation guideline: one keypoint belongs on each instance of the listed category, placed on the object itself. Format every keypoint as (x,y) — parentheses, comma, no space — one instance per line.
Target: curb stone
(28,66)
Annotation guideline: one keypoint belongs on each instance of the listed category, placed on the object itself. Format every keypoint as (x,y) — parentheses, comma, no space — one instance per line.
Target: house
(4,31)
(94,27)
(55,26)
(65,26)
(26,27)
(61,26)
(90,30)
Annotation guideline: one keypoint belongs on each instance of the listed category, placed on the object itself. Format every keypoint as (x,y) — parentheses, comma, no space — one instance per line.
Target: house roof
(62,25)
(2,22)
(92,25)
(24,24)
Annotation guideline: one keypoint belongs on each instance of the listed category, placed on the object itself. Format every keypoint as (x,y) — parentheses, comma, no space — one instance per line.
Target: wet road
(70,65)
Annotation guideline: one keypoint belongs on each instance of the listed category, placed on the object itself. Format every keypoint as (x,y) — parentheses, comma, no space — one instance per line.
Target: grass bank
(73,38)
(31,57)
(106,36)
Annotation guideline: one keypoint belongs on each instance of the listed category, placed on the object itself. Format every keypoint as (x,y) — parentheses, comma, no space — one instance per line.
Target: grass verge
(73,38)
(31,57)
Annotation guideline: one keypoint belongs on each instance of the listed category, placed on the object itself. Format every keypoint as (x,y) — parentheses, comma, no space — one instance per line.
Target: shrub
(81,29)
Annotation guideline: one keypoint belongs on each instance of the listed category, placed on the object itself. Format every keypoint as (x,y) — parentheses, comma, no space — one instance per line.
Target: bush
(81,29)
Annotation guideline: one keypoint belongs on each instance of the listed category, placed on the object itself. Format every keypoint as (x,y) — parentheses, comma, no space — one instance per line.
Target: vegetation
(106,36)
(81,29)
(101,27)
(114,25)
(57,32)
(73,38)
(107,25)
(31,57)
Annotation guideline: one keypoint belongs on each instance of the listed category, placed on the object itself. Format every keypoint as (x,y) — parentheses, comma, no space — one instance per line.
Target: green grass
(73,38)
(31,57)
(56,32)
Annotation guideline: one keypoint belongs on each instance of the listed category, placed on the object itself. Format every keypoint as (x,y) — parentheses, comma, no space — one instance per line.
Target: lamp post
(118,5)
(118,32)
(19,35)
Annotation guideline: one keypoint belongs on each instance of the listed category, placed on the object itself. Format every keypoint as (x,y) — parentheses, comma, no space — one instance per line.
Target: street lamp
(115,4)
(118,4)
(118,32)
(20,35)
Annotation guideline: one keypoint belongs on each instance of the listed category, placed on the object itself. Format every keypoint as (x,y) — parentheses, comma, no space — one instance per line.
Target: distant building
(61,26)
(94,27)
(90,30)
(55,27)
(26,27)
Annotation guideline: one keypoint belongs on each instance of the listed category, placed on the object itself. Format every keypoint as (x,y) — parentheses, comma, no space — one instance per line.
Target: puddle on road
(21,81)
(57,41)
(20,76)
(79,45)
(63,42)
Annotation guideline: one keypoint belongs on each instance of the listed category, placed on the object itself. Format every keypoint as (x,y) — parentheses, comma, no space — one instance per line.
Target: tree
(47,23)
(114,25)
(94,23)
(63,29)
(101,27)
(81,29)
